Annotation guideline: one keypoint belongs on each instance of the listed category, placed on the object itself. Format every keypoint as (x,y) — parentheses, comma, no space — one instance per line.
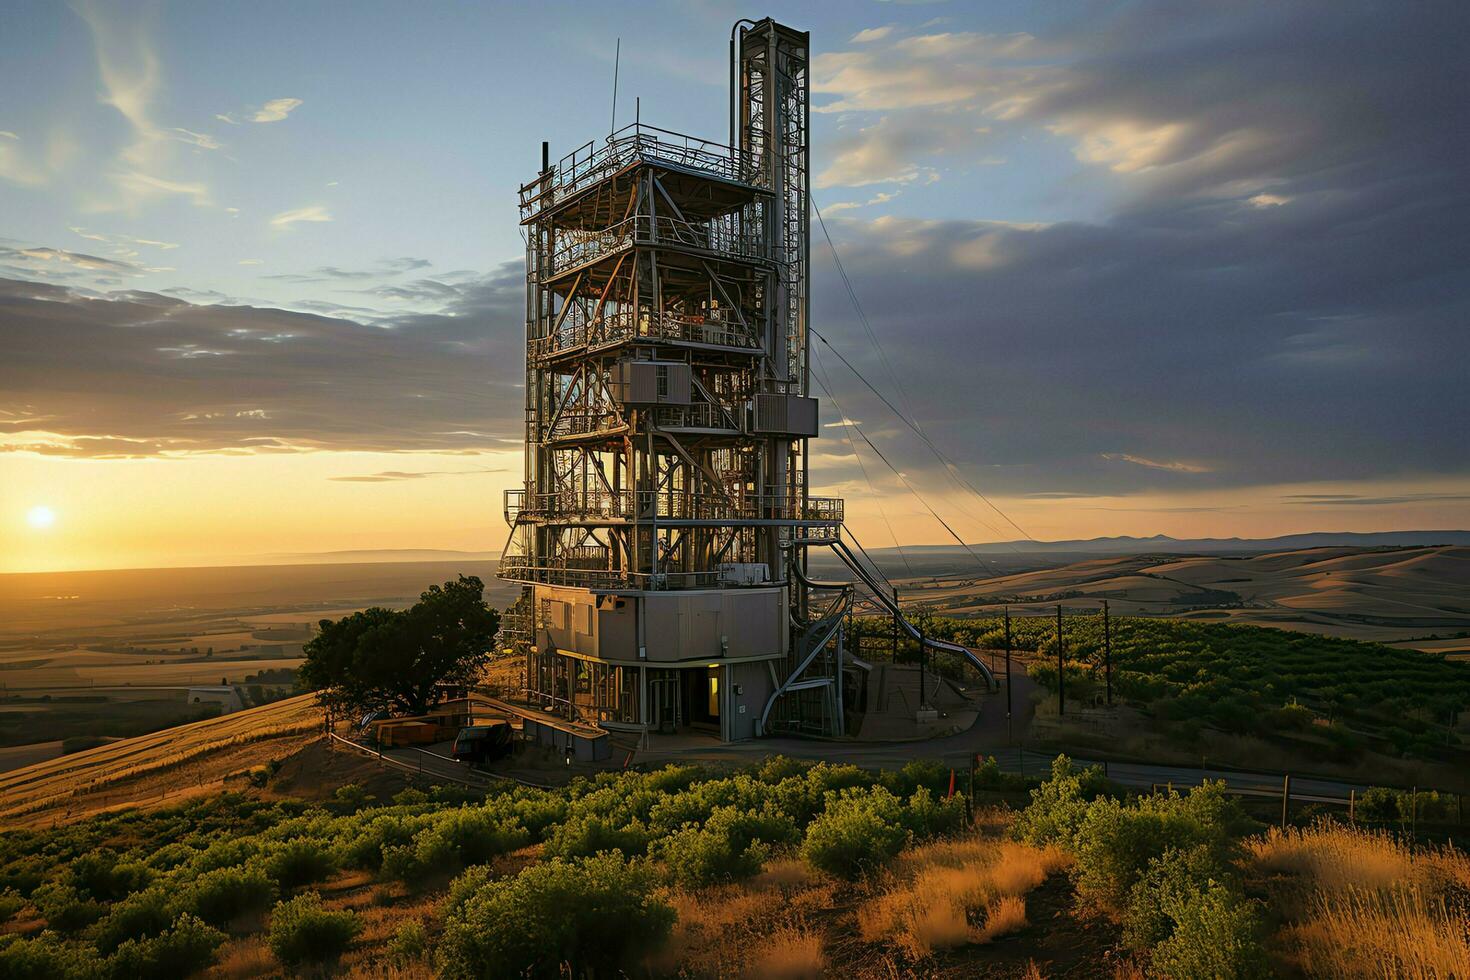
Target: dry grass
(937,892)
(791,952)
(1003,916)
(244,958)
(717,928)
(1401,933)
(1364,904)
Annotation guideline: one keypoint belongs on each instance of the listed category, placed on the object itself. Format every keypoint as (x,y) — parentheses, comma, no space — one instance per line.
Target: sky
(1192,268)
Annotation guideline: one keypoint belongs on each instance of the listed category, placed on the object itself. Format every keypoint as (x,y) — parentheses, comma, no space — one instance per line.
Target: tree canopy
(397,659)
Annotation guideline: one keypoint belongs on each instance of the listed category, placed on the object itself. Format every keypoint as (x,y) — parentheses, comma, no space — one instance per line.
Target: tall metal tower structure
(660,535)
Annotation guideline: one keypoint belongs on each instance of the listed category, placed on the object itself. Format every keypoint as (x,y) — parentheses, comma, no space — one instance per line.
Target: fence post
(1285,798)
(1414,813)
(1353,807)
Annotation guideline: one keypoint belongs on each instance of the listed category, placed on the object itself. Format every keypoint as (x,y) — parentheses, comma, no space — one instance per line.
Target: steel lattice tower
(658,534)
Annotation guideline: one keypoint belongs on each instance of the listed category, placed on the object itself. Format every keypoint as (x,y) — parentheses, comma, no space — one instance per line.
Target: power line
(846,424)
(951,468)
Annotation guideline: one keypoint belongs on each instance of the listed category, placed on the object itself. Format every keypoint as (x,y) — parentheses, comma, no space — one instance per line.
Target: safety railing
(714,330)
(720,237)
(596,159)
(671,505)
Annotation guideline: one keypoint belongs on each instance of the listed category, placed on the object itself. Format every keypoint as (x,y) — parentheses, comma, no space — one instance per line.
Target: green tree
(383,657)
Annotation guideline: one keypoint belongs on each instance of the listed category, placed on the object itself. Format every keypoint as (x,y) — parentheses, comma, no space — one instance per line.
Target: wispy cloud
(201,140)
(1173,466)
(132,78)
(275,110)
(7,134)
(313,212)
(391,476)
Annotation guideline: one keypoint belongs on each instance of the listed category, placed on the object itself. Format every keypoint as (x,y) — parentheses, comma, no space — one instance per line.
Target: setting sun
(41,517)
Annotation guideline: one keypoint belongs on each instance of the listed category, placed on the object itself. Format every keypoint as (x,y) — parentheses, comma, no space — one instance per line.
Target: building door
(663,697)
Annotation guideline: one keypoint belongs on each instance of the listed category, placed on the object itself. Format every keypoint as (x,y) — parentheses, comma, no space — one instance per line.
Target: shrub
(11,902)
(303,931)
(584,835)
(138,916)
(596,914)
(409,944)
(1169,881)
(1058,806)
(1115,843)
(928,817)
(1216,934)
(221,896)
(298,862)
(226,854)
(64,909)
(180,951)
(352,796)
(101,875)
(858,831)
(410,797)
(731,845)
(47,957)
(465,837)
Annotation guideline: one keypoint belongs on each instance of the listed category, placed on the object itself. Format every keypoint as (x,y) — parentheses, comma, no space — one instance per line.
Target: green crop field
(1352,694)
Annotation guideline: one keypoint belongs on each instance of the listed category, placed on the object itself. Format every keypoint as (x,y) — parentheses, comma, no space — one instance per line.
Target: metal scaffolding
(667,410)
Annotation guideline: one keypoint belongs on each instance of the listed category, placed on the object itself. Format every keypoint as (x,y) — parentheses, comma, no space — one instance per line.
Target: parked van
(480,743)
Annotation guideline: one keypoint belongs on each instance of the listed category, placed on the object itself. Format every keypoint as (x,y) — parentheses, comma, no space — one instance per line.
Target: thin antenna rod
(617,61)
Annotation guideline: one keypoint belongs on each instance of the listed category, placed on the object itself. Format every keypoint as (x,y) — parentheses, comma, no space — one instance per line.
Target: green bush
(926,817)
(352,796)
(584,835)
(302,931)
(464,837)
(138,916)
(858,831)
(179,951)
(597,914)
(410,943)
(223,895)
(298,862)
(1116,842)
(11,902)
(732,844)
(1216,934)
(1169,881)
(410,797)
(47,957)
(1058,806)
(64,909)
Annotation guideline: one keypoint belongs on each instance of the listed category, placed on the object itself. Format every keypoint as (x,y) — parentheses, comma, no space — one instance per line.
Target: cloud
(251,262)
(61,263)
(7,134)
(201,140)
(1356,500)
(133,373)
(313,212)
(871,34)
(275,110)
(122,242)
(1172,466)
(390,476)
(145,169)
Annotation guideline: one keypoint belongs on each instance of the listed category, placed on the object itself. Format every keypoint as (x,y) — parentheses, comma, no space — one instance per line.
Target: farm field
(79,650)
(180,760)
(1412,596)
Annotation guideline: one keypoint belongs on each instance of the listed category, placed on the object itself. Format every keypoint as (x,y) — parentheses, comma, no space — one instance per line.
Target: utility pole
(1107,653)
(1061,668)
(922,699)
(1010,731)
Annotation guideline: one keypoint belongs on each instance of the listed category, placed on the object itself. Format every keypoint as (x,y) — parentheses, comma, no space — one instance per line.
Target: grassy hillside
(781,869)
(191,758)
(1386,594)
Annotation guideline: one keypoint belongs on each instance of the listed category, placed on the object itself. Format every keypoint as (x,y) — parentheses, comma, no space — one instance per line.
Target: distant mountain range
(1163,543)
